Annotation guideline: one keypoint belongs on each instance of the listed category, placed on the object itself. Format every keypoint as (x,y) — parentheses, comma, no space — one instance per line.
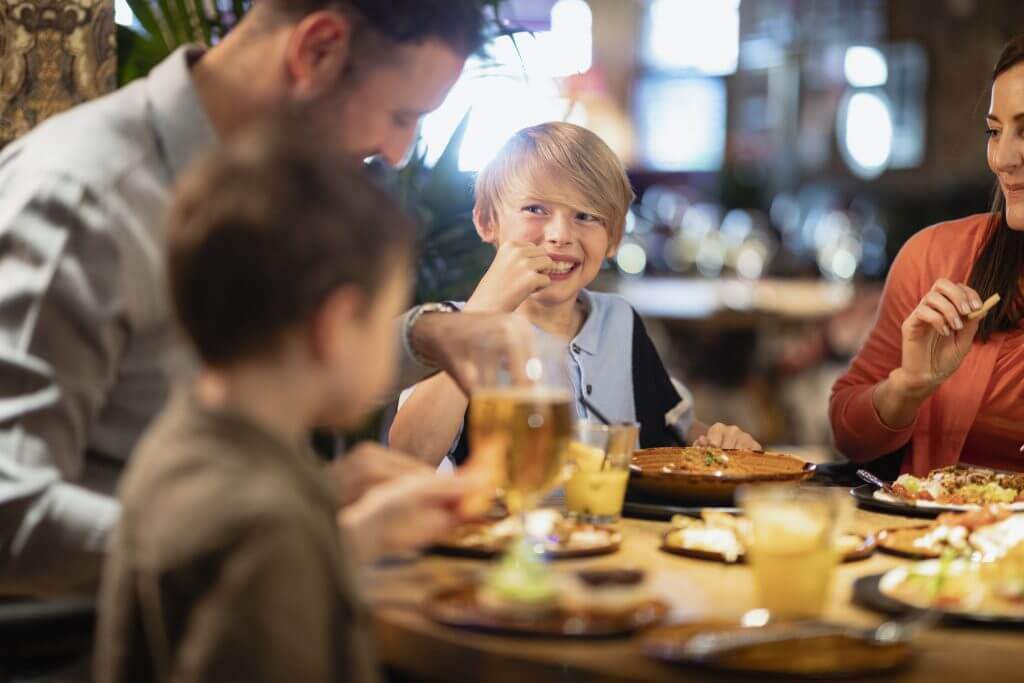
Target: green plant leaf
(176,20)
(448,188)
(240,7)
(137,54)
(143,11)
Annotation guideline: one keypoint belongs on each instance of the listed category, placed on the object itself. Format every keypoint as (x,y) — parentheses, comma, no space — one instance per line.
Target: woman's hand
(519,269)
(937,335)
(727,436)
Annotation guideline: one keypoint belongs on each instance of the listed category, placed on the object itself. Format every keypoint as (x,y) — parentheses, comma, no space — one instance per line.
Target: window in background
(517,86)
(698,36)
(880,121)
(682,123)
(680,105)
(123,13)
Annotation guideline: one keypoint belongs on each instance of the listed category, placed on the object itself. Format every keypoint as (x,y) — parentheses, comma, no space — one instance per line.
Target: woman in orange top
(929,380)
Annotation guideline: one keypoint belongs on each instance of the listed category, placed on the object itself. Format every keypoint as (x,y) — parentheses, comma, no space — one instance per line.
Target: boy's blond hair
(560,163)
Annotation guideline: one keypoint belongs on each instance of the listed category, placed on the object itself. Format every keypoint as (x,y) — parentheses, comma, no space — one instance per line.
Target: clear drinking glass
(519,422)
(598,464)
(792,549)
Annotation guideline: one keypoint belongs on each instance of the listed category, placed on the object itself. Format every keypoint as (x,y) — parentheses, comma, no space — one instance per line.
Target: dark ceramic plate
(867,592)
(865,497)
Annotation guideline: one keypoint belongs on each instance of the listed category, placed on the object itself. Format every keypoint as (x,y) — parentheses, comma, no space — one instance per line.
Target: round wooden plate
(667,473)
(460,608)
(818,657)
(455,547)
(900,542)
(863,551)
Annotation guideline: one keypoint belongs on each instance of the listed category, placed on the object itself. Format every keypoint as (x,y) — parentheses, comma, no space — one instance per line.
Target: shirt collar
(589,338)
(297,460)
(182,126)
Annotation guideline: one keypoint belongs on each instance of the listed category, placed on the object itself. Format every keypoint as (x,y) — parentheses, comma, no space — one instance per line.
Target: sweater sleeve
(857,428)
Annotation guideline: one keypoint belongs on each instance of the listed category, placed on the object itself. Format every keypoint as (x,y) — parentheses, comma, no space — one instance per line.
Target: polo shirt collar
(589,338)
(182,126)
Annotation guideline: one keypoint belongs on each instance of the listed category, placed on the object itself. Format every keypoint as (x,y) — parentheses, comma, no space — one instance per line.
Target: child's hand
(727,436)
(368,465)
(519,269)
(406,514)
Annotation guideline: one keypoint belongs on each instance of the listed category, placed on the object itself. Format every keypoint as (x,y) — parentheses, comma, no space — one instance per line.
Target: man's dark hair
(459,24)
(262,231)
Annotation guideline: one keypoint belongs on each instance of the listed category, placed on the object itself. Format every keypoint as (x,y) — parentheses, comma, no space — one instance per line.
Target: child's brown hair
(264,229)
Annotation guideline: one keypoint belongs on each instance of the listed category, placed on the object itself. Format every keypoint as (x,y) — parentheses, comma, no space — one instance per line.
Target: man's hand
(469,345)
(406,514)
(368,465)
(518,270)
(727,436)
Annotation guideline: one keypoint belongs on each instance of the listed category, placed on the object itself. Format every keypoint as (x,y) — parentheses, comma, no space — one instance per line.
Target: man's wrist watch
(410,323)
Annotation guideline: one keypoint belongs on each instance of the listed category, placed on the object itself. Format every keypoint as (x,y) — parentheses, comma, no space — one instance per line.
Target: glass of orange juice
(792,549)
(598,460)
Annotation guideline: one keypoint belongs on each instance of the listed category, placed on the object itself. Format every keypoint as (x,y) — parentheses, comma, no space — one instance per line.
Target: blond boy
(554,203)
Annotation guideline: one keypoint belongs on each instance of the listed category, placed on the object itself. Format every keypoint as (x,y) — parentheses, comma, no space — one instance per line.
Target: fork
(892,632)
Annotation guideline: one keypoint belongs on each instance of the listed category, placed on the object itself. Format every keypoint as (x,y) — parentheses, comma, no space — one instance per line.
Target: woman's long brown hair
(1000,264)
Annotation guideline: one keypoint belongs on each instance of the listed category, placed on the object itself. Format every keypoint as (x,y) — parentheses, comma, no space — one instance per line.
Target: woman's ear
(613,249)
(485,226)
(318,53)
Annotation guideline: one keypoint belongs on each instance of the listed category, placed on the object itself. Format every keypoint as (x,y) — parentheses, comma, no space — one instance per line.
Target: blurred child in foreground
(234,558)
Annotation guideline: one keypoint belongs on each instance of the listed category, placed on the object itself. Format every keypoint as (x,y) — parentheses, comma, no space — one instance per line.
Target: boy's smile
(563,268)
(575,240)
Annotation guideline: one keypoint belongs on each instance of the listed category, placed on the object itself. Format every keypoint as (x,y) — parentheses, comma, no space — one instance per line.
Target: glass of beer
(598,463)
(520,424)
(792,548)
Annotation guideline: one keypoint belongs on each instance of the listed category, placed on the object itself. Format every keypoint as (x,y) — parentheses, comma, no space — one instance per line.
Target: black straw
(675,438)
(597,413)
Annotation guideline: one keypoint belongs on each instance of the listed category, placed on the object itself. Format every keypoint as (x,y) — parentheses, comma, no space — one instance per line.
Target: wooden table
(413,644)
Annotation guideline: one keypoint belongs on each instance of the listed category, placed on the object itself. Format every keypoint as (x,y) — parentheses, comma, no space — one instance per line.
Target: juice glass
(598,463)
(792,548)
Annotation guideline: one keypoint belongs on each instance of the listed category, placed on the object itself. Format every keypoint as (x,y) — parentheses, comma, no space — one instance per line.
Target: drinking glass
(598,463)
(520,424)
(792,549)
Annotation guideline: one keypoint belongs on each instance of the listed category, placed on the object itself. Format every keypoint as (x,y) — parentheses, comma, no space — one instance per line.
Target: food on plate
(521,586)
(983,589)
(984,534)
(607,591)
(717,462)
(723,536)
(560,534)
(715,532)
(958,485)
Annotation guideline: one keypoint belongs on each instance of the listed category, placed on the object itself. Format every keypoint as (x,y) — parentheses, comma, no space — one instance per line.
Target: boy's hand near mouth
(519,269)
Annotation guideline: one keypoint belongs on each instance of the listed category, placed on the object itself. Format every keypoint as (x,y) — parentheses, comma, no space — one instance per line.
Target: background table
(413,644)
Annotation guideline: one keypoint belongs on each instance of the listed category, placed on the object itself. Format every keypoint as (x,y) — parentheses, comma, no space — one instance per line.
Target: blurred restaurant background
(781,150)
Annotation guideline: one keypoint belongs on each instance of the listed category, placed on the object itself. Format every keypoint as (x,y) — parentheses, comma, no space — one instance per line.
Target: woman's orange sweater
(937,437)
